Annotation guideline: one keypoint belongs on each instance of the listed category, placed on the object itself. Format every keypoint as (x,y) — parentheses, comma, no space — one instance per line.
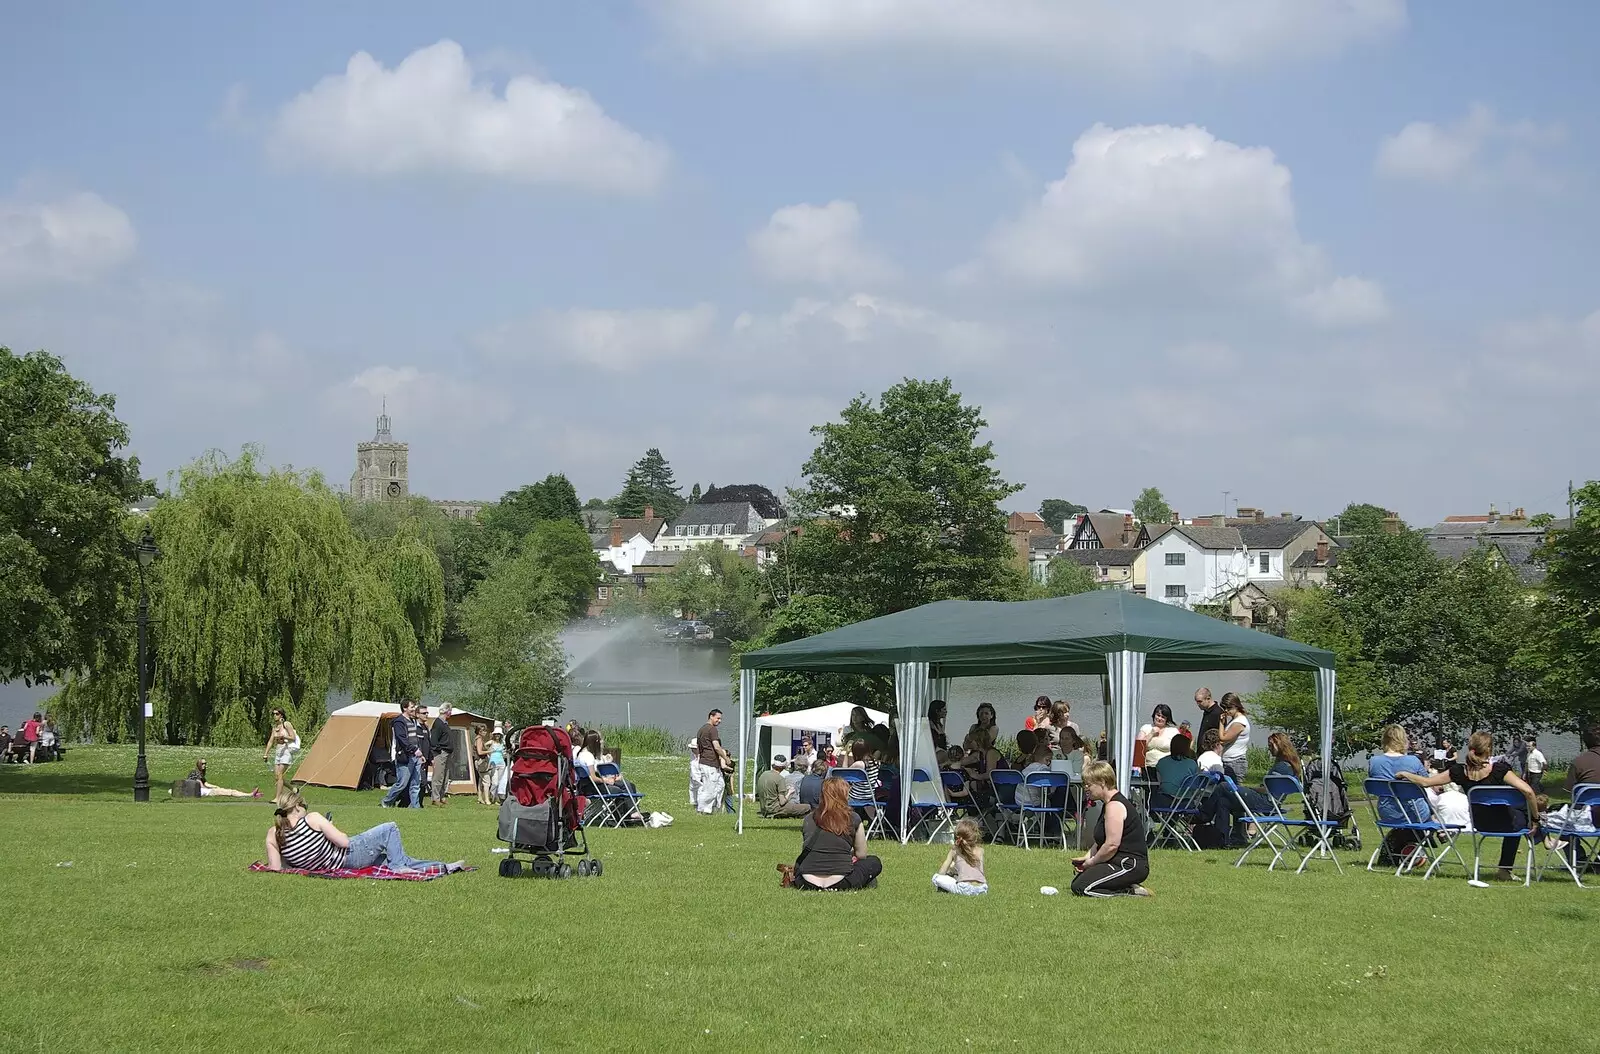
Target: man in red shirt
(30,735)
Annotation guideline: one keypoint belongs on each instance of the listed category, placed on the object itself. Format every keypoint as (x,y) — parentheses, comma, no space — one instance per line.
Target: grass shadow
(56,778)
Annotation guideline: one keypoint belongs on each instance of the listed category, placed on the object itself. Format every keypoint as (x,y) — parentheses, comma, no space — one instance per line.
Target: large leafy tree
(561,550)
(1565,653)
(779,691)
(520,510)
(1151,507)
(514,668)
(649,482)
(1066,578)
(1362,518)
(464,548)
(263,597)
(1056,511)
(905,505)
(715,584)
(64,491)
(1362,703)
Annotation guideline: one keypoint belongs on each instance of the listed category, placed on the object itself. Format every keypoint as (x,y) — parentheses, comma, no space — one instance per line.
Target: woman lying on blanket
(308,841)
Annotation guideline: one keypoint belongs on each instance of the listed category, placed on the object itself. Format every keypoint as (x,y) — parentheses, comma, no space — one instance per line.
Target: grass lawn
(157,938)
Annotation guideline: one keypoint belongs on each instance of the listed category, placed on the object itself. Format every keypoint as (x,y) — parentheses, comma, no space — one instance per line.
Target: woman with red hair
(833,852)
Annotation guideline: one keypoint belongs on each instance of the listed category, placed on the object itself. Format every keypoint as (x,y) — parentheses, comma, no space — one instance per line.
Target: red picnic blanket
(376,871)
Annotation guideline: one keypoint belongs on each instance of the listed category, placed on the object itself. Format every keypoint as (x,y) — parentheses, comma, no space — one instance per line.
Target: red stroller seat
(542,815)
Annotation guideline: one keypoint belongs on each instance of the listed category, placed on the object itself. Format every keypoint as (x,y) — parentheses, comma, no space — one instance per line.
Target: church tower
(380,465)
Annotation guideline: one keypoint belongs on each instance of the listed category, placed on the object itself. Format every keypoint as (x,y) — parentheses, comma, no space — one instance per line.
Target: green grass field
(157,938)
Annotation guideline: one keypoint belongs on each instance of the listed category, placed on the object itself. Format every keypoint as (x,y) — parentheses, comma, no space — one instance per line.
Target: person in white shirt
(1209,760)
(1537,763)
(1158,735)
(1450,806)
(1038,762)
(1235,737)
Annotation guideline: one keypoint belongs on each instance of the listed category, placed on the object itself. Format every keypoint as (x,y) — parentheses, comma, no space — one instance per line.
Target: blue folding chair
(1270,830)
(878,820)
(1438,835)
(1041,787)
(1574,841)
(958,796)
(1480,800)
(1005,783)
(599,807)
(624,803)
(1174,821)
(1390,813)
(1282,789)
(930,810)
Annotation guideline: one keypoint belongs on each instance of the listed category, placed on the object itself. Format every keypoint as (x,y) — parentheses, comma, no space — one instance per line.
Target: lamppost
(147,551)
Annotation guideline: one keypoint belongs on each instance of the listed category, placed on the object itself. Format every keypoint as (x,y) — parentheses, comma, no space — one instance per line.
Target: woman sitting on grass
(308,841)
(211,790)
(833,845)
(1120,859)
(962,870)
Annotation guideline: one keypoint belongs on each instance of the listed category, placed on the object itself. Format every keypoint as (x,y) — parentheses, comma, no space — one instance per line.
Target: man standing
(709,755)
(439,739)
(776,794)
(407,757)
(1210,715)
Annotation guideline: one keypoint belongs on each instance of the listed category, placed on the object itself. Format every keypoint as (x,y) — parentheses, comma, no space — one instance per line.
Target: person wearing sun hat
(491,788)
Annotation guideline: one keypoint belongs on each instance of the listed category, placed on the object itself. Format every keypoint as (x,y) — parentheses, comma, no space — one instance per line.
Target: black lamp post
(147,551)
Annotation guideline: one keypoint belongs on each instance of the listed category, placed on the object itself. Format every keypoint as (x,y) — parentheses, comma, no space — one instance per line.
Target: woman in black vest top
(1120,859)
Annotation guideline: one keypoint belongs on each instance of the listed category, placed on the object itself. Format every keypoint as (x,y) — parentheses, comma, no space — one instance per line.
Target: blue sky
(1307,253)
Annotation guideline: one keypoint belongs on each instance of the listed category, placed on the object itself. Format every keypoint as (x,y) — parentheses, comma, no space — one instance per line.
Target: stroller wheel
(543,868)
(596,869)
(564,871)
(583,869)
(511,868)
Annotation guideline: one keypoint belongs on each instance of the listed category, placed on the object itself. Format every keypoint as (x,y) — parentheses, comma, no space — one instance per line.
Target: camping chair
(1005,783)
(1414,803)
(623,803)
(934,811)
(1282,788)
(1044,785)
(1575,839)
(878,822)
(1271,831)
(1175,822)
(1479,798)
(599,810)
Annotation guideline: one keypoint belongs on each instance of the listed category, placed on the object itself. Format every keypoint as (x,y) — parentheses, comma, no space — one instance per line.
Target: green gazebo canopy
(974,638)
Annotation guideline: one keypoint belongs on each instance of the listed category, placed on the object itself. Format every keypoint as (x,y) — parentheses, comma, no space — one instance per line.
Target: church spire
(384,435)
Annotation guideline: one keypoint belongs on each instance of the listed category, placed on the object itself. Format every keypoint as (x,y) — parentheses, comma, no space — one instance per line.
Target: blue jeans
(381,845)
(407,776)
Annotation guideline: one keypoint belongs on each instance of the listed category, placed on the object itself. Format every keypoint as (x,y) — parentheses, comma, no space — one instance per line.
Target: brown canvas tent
(357,733)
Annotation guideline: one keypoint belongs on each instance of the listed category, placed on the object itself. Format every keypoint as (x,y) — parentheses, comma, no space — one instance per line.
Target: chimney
(1128,533)
(1391,524)
(649,512)
(616,533)
(1286,514)
(1322,550)
(1175,518)
(1261,515)
(1520,513)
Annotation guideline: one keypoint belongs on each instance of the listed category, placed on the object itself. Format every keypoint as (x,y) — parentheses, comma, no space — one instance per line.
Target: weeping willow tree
(263,597)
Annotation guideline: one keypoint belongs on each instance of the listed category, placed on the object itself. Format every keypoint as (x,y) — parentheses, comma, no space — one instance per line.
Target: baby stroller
(1337,808)
(542,816)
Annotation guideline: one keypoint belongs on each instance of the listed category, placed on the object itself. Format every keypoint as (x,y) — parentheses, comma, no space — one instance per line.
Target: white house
(728,524)
(628,540)
(1192,564)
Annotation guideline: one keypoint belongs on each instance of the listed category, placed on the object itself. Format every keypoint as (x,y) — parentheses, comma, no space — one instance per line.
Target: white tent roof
(828,718)
(367,708)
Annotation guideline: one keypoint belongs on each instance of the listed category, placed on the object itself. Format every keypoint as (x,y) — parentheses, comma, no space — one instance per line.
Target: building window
(1266,562)
(1177,559)
(1176,592)
(394,468)
(605,593)
(678,530)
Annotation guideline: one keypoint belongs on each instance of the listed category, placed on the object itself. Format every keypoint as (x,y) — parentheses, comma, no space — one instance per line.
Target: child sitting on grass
(962,871)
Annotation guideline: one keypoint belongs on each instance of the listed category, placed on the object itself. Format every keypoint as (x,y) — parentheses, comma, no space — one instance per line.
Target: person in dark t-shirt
(709,756)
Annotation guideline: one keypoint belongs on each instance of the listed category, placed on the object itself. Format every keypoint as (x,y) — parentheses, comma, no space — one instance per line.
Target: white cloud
(71,239)
(1478,150)
(1549,354)
(431,114)
(913,335)
(821,244)
(618,341)
(1178,216)
(419,397)
(1105,34)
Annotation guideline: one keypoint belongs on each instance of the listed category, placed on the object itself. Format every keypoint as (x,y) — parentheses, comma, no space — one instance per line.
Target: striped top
(308,849)
(866,792)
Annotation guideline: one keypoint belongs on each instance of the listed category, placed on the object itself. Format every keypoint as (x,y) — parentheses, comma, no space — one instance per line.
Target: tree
(766,503)
(649,483)
(1067,578)
(694,494)
(920,500)
(779,691)
(1363,518)
(1361,701)
(714,584)
(1565,652)
(1151,507)
(64,491)
(520,510)
(571,570)
(454,542)
(514,668)
(1055,511)
(264,597)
